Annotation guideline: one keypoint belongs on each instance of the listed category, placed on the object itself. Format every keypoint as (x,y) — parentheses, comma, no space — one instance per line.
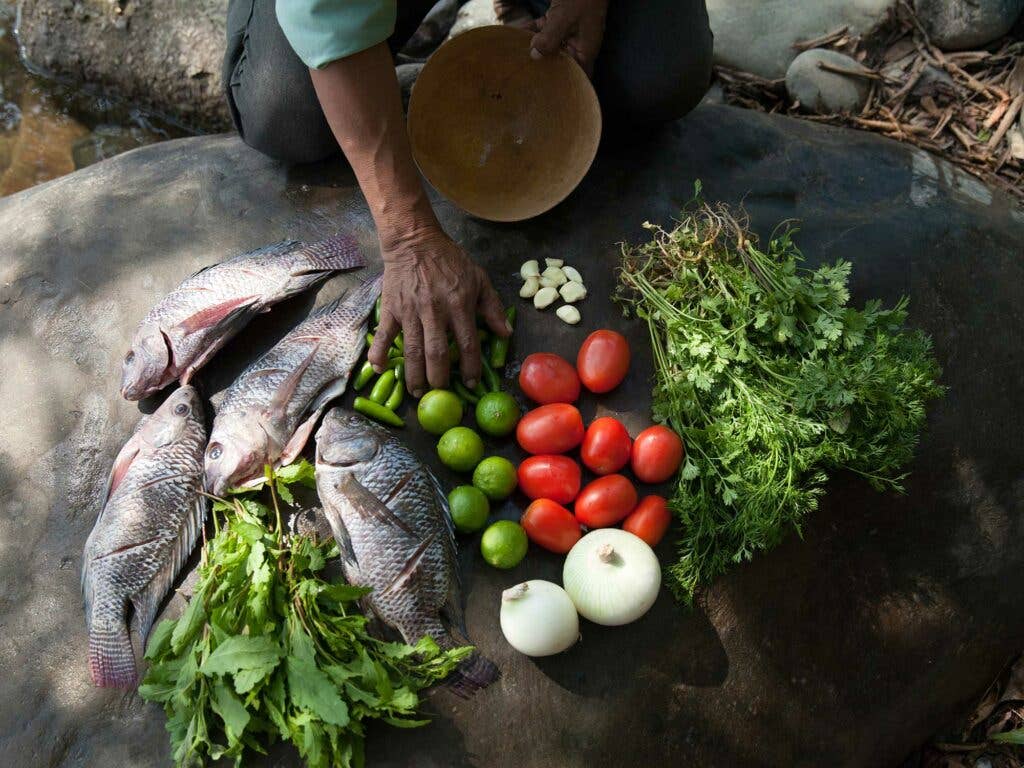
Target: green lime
(496,477)
(439,410)
(497,413)
(469,508)
(460,448)
(503,544)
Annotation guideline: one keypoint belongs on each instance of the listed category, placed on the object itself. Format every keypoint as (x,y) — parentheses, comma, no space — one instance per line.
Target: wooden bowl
(502,136)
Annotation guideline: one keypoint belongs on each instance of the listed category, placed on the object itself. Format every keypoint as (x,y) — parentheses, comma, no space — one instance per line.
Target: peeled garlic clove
(572,292)
(554,274)
(530,287)
(553,262)
(545,297)
(529,269)
(569,314)
(572,275)
(547,282)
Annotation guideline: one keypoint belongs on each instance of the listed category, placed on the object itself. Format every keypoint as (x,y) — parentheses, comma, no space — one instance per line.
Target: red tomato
(547,378)
(605,446)
(603,361)
(551,526)
(657,454)
(605,501)
(550,477)
(649,520)
(554,428)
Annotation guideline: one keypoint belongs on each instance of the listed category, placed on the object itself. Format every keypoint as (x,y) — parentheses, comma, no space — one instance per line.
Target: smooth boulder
(955,25)
(848,645)
(758,35)
(827,91)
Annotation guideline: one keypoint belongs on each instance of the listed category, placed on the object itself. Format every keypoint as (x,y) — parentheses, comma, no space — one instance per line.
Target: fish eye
(214,451)
(181,409)
(129,358)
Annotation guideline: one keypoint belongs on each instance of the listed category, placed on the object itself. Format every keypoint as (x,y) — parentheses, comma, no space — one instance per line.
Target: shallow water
(49,128)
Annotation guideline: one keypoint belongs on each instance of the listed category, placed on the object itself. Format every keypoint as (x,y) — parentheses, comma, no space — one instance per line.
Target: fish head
(180,416)
(237,452)
(145,367)
(348,441)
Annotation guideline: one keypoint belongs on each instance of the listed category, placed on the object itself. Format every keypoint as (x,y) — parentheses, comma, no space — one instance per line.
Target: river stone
(758,35)
(823,91)
(954,25)
(847,646)
(475,13)
(165,56)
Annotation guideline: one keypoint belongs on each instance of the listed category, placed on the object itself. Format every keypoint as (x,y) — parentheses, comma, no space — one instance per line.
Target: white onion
(538,618)
(612,577)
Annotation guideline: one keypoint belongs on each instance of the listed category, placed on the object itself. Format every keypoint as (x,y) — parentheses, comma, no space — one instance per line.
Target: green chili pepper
(363,377)
(376,313)
(394,362)
(382,389)
(499,346)
(393,352)
(377,411)
(369,339)
(453,351)
(465,394)
(493,382)
(397,394)
(479,390)
(399,342)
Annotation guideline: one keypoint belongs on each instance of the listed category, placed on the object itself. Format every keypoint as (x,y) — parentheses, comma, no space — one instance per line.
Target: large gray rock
(847,646)
(954,25)
(758,35)
(825,90)
(165,56)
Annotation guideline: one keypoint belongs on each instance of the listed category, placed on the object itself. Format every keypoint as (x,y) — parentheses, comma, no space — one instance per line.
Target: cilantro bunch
(267,649)
(772,380)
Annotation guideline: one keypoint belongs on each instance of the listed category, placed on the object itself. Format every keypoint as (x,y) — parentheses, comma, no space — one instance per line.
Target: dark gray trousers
(654,66)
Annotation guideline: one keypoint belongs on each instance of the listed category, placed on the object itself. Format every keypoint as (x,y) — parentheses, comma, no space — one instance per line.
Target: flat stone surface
(758,35)
(849,646)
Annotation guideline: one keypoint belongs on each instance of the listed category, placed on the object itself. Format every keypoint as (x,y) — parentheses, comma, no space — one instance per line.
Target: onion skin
(612,577)
(538,618)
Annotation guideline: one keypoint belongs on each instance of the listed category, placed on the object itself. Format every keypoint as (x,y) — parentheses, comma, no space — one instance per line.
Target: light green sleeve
(322,31)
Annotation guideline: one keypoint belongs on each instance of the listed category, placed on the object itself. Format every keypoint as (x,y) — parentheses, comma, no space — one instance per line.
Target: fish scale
(390,518)
(185,328)
(149,523)
(269,411)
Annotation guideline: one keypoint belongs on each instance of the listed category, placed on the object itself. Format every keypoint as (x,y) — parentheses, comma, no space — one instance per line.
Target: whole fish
(391,521)
(149,523)
(185,328)
(267,415)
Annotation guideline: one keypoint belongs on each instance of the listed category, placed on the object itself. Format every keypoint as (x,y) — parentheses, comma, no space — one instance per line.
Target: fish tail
(470,676)
(111,658)
(335,253)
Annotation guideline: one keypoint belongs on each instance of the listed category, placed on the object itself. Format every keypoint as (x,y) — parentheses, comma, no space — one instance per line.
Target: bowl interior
(502,136)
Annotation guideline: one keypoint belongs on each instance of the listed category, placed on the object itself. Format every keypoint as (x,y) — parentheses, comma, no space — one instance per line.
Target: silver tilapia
(390,519)
(267,415)
(149,523)
(185,328)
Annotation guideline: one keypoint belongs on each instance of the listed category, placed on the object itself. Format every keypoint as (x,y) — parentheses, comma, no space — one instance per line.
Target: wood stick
(996,113)
(1006,122)
(942,123)
(867,74)
(962,135)
(818,42)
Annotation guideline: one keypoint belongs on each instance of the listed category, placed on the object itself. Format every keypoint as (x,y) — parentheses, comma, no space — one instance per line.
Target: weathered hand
(431,285)
(576,25)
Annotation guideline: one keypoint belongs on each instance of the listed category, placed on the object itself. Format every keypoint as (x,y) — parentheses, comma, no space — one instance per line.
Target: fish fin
(286,389)
(229,325)
(111,655)
(301,435)
(122,463)
(225,318)
(326,309)
(147,600)
(366,504)
(451,611)
(471,675)
(441,498)
(363,296)
(348,556)
(280,248)
(333,254)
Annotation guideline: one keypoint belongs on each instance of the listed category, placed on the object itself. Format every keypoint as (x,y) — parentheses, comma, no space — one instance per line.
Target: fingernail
(417,393)
(535,54)
(508,326)
(377,368)
(470,383)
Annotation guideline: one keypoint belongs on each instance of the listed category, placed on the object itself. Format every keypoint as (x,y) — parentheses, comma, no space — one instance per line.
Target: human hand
(576,25)
(431,285)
